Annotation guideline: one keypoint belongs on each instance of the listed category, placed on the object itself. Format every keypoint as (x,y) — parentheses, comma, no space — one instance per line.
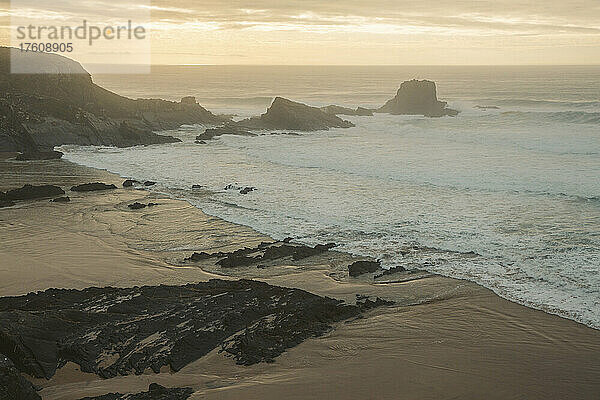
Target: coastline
(444,338)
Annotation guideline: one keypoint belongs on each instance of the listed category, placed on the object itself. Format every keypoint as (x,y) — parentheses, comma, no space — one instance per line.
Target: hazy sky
(364,32)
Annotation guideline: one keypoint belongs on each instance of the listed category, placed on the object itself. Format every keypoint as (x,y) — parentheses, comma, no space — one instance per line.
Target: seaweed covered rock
(13,386)
(363,267)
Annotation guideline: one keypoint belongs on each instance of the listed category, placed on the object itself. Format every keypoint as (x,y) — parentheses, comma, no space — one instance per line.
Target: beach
(441,339)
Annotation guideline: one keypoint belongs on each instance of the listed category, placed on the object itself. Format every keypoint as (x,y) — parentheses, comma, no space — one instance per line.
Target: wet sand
(444,338)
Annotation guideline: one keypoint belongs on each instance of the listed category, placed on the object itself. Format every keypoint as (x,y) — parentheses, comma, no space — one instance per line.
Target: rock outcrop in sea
(64,106)
(417,98)
(339,110)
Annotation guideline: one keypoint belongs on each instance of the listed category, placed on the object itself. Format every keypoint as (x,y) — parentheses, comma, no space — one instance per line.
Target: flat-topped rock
(417,98)
(31,192)
(92,187)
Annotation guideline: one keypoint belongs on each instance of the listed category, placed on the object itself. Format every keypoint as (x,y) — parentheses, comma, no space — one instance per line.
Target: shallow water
(518,186)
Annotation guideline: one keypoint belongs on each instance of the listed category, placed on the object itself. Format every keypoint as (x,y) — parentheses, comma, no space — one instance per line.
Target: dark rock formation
(230,128)
(64,199)
(92,187)
(263,253)
(122,331)
(30,192)
(247,190)
(363,267)
(339,110)
(39,155)
(155,392)
(139,206)
(197,187)
(391,271)
(287,114)
(417,98)
(130,182)
(200,142)
(64,106)
(13,386)
(149,183)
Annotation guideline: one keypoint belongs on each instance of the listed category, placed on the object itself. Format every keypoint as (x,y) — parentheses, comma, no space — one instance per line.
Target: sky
(351,32)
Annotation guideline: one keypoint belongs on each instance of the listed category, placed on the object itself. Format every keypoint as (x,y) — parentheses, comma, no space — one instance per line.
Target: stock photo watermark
(104,37)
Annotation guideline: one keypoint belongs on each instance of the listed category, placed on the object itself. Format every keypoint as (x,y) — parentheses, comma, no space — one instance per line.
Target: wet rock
(64,199)
(200,142)
(391,271)
(417,98)
(30,192)
(230,128)
(155,392)
(232,187)
(92,187)
(122,331)
(363,267)
(149,183)
(366,303)
(247,190)
(197,187)
(13,386)
(137,206)
(130,183)
(39,155)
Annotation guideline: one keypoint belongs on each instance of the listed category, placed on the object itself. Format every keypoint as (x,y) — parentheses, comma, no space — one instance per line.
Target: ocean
(508,198)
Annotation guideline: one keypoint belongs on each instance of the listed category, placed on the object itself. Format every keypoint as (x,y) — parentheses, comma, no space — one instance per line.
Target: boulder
(30,192)
(363,267)
(417,98)
(92,187)
(137,206)
(247,190)
(149,183)
(391,271)
(130,183)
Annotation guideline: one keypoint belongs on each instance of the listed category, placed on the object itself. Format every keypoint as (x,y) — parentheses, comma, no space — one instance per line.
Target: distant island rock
(290,115)
(339,110)
(64,106)
(417,98)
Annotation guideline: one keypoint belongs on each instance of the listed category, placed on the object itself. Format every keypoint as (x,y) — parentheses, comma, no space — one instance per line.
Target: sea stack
(290,115)
(417,98)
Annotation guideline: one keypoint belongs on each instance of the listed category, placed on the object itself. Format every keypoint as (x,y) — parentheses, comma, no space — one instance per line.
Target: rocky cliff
(417,98)
(64,106)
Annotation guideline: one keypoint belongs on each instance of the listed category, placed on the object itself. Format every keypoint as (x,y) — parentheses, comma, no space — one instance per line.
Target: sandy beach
(442,339)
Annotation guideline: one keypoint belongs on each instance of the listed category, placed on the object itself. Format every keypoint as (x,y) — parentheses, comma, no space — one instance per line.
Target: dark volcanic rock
(122,331)
(363,267)
(286,114)
(92,187)
(149,183)
(29,192)
(155,392)
(417,98)
(12,384)
(130,183)
(64,199)
(39,155)
(339,110)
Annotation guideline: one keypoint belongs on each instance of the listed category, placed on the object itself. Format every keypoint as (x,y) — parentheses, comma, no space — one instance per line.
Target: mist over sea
(507,197)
